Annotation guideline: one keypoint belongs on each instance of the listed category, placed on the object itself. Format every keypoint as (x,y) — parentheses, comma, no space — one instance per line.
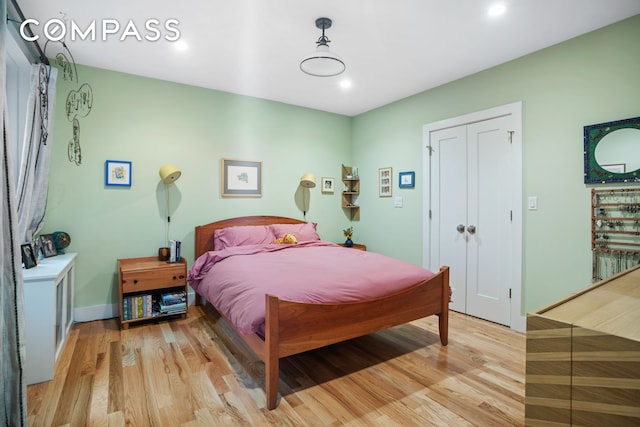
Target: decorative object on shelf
(28,256)
(168,175)
(61,240)
(307,181)
(322,62)
(241,178)
(117,173)
(612,152)
(385,182)
(348,233)
(48,246)
(407,179)
(163,254)
(327,185)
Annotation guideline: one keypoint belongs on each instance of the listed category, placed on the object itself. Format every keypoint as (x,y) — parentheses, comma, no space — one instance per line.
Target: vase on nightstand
(348,243)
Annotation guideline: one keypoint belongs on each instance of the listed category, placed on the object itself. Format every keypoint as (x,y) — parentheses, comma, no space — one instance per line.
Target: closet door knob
(460,228)
(471,229)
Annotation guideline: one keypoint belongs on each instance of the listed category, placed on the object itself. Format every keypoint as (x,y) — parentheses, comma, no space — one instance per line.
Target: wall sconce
(308,180)
(169,174)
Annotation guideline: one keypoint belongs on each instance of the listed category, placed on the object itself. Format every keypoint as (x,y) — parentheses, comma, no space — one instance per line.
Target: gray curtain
(36,152)
(12,351)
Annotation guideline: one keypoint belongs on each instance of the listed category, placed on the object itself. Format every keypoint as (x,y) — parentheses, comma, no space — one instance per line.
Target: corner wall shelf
(350,192)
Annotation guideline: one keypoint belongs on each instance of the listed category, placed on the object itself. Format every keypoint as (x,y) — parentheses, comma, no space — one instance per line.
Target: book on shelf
(175,308)
(173,298)
(137,307)
(174,250)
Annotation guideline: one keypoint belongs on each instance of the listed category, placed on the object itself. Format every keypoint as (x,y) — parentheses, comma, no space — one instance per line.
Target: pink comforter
(235,280)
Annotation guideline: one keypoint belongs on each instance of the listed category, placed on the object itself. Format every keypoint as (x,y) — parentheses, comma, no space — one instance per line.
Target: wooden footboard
(293,327)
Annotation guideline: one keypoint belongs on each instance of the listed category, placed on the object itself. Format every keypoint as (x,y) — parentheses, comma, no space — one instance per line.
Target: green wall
(586,80)
(590,79)
(151,122)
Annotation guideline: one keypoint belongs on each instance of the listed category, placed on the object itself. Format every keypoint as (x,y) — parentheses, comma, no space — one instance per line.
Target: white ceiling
(392,49)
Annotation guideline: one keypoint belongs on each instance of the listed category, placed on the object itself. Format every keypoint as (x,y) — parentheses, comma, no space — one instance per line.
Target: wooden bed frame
(295,327)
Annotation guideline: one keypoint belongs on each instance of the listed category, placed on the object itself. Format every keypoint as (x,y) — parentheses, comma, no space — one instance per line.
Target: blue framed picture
(117,173)
(407,179)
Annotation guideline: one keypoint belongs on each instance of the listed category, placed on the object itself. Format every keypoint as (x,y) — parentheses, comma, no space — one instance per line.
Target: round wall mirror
(619,151)
(612,152)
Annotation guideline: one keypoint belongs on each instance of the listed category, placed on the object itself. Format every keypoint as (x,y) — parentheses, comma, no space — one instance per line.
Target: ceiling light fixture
(497,9)
(322,62)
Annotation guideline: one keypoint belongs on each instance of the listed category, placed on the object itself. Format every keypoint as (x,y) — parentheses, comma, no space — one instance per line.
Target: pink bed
(236,279)
(287,299)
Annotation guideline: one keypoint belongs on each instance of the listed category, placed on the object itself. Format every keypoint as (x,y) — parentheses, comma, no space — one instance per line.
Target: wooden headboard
(204,233)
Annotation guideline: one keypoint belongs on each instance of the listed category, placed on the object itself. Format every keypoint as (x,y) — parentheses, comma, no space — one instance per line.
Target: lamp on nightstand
(169,174)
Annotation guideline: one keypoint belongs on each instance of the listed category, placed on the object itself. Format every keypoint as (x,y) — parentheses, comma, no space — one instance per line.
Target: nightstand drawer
(136,281)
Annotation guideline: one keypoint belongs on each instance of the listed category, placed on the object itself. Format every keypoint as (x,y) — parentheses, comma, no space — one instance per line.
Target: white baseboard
(107,311)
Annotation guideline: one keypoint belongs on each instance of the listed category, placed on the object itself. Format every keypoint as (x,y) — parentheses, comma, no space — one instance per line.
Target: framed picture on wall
(407,179)
(327,185)
(117,173)
(241,178)
(384,182)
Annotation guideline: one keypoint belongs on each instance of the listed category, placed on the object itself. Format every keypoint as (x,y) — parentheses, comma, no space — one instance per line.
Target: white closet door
(488,211)
(470,226)
(449,186)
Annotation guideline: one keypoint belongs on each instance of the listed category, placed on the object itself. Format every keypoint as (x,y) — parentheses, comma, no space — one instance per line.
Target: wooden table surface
(611,306)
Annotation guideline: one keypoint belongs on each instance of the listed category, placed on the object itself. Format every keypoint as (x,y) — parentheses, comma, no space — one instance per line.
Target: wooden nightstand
(151,289)
(358,246)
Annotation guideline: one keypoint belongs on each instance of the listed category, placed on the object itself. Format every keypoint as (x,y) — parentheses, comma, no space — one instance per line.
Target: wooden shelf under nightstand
(148,276)
(358,246)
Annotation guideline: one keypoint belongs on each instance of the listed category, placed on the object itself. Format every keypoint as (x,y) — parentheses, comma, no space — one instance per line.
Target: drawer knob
(174,277)
(135,281)
(181,276)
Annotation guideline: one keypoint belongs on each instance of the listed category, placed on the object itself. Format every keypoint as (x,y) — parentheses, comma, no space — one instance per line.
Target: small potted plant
(348,233)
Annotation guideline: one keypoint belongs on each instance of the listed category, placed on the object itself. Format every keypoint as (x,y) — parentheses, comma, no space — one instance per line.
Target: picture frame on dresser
(48,247)
(28,256)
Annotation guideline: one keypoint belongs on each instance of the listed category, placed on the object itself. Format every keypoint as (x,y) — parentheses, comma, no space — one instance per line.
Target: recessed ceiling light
(497,9)
(181,45)
(345,83)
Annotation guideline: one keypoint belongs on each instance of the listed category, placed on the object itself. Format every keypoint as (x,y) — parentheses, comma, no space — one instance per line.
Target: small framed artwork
(28,256)
(48,247)
(117,173)
(407,179)
(241,178)
(327,185)
(384,182)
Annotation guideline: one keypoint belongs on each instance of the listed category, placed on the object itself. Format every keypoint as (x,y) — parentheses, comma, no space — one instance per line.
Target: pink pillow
(242,235)
(303,232)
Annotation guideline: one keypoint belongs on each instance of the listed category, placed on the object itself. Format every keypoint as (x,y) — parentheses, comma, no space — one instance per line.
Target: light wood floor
(196,372)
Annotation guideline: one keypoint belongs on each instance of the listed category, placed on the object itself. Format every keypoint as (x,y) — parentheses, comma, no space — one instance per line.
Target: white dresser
(48,307)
